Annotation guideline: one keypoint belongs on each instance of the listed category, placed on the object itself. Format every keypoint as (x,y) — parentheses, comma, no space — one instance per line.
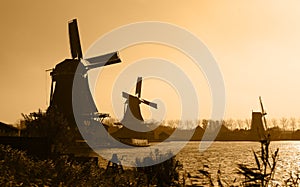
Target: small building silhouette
(8,130)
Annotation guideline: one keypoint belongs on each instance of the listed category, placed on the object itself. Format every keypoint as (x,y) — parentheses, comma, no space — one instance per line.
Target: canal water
(218,155)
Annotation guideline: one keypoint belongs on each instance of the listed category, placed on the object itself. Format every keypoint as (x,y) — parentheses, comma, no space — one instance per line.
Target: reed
(263,174)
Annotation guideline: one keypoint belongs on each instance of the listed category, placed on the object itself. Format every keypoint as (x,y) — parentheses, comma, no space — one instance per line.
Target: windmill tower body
(257,127)
(132,116)
(259,124)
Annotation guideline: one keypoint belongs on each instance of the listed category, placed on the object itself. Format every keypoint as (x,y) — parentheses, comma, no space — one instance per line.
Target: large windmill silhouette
(70,93)
(132,115)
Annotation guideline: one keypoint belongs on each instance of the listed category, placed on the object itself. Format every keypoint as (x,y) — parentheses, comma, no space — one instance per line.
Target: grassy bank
(18,169)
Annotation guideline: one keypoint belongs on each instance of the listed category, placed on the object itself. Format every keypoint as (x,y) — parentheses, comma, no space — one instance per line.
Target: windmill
(132,115)
(259,122)
(70,93)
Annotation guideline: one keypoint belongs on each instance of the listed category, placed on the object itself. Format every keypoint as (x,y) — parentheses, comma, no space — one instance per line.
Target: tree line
(283,123)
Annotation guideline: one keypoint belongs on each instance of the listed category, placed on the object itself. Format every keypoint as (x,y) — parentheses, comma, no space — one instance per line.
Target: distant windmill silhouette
(132,115)
(70,81)
(259,122)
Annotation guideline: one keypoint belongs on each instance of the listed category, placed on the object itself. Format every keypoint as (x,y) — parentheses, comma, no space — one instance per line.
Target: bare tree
(229,123)
(239,123)
(189,124)
(274,122)
(212,125)
(163,123)
(172,123)
(248,123)
(198,122)
(298,122)
(283,122)
(204,123)
(293,123)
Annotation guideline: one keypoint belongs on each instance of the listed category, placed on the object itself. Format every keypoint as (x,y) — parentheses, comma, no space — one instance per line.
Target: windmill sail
(154,105)
(103,60)
(138,87)
(75,45)
(263,113)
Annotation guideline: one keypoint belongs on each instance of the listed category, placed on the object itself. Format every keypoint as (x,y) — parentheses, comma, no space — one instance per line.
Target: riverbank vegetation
(19,169)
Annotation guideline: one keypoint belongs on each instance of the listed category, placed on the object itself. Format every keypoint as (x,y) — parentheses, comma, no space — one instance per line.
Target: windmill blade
(125,95)
(138,88)
(131,97)
(75,45)
(154,105)
(262,107)
(265,121)
(263,112)
(103,60)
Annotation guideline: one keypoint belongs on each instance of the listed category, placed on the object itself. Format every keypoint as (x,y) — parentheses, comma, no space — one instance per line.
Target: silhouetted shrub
(17,169)
(160,172)
(51,125)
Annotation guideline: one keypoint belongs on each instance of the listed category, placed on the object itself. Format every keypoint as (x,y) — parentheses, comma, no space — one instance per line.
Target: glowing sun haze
(255,43)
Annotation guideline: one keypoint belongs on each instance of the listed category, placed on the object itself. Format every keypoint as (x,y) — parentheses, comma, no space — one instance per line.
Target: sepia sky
(255,43)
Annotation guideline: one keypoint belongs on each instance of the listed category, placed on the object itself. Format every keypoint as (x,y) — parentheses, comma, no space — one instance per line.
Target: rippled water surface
(224,155)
